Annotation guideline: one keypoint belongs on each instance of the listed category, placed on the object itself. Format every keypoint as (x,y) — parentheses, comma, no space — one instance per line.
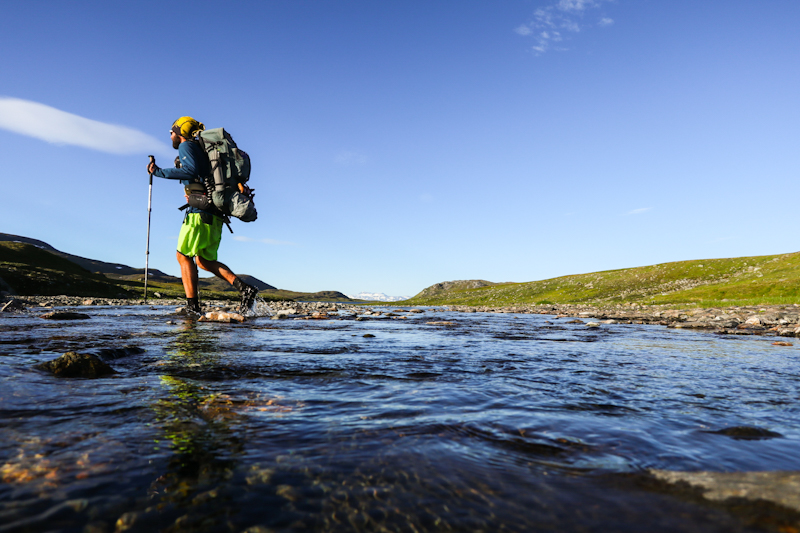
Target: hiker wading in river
(201,231)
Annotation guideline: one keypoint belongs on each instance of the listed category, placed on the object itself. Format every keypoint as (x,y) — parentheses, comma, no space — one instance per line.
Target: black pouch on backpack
(200,201)
(196,196)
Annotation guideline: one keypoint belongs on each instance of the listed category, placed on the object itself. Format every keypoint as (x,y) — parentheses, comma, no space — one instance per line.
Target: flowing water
(497,422)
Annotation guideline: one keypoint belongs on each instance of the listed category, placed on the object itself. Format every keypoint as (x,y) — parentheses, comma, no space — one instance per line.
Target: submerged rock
(116,353)
(64,315)
(75,365)
(747,433)
(782,488)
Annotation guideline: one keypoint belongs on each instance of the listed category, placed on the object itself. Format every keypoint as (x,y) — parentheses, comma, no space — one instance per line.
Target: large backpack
(230,169)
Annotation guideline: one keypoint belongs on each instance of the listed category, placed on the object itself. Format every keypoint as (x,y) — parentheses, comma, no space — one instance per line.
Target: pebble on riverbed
(76,365)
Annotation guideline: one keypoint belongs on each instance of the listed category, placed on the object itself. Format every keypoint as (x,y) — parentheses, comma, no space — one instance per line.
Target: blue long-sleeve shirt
(194,167)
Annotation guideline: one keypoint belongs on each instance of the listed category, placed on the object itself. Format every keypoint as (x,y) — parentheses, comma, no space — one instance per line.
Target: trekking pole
(147,252)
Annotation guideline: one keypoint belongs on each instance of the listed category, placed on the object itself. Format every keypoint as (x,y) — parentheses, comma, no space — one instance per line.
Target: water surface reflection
(490,422)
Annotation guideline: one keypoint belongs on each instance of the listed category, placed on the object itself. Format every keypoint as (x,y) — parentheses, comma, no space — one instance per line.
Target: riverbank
(284,308)
(781,320)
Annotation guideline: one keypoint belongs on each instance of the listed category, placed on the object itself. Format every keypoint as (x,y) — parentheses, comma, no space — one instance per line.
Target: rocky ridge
(446,286)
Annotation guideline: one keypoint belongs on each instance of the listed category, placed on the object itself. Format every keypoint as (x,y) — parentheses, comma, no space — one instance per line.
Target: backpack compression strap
(216,163)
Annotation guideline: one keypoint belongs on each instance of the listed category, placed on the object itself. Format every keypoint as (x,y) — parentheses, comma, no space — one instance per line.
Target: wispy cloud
(523,30)
(639,211)
(552,24)
(350,158)
(263,241)
(59,127)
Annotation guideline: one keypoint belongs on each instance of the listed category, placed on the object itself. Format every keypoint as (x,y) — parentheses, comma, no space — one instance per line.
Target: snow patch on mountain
(377,296)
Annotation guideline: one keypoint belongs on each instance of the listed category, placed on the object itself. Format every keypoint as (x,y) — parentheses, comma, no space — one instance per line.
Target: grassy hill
(769,279)
(28,269)
(31,267)
(92,265)
(206,284)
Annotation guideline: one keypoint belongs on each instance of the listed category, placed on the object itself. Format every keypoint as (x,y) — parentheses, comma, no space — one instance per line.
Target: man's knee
(182,258)
(205,264)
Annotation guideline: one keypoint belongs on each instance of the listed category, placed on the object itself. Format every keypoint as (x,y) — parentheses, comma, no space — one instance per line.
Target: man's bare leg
(188,274)
(247,292)
(216,268)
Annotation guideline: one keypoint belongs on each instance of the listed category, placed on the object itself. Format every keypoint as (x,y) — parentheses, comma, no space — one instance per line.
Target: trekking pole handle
(152,159)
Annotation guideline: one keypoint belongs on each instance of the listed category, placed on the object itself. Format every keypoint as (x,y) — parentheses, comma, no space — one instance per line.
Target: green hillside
(35,268)
(769,279)
(27,269)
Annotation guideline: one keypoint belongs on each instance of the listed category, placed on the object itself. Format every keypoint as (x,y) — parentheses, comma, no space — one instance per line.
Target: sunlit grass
(773,280)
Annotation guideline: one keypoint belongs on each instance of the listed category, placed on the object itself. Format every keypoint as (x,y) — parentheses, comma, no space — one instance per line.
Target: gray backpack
(230,170)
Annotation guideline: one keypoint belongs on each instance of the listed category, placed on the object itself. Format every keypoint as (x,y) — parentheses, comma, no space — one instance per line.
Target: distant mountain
(30,269)
(376,296)
(31,266)
(91,265)
(125,272)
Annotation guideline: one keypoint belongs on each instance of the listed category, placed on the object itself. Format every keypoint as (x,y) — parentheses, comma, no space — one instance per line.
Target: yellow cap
(187,127)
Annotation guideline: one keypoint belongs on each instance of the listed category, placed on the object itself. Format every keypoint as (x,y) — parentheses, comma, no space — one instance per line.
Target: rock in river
(64,315)
(747,433)
(11,306)
(221,316)
(75,365)
(778,487)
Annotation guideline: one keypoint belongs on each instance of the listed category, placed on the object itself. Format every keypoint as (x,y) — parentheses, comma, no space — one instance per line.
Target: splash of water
(259,308)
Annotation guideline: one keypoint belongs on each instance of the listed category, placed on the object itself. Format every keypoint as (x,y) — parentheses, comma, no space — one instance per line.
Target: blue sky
(397,144)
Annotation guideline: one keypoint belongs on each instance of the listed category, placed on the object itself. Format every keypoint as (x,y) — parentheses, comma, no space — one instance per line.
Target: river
(493,422)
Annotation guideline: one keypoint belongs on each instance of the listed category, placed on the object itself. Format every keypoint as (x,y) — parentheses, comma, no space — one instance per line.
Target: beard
(176,142)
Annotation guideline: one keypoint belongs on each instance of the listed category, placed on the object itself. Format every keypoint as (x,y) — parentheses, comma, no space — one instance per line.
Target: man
(201,231)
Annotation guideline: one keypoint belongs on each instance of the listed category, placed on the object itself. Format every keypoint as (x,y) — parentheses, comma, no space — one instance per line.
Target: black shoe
(191,312)
(248,294)
(192,308)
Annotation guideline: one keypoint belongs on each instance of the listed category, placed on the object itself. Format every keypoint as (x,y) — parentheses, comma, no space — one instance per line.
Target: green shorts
(198,238)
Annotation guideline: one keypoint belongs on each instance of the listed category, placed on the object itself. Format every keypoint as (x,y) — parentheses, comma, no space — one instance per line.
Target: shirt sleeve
(188,170)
